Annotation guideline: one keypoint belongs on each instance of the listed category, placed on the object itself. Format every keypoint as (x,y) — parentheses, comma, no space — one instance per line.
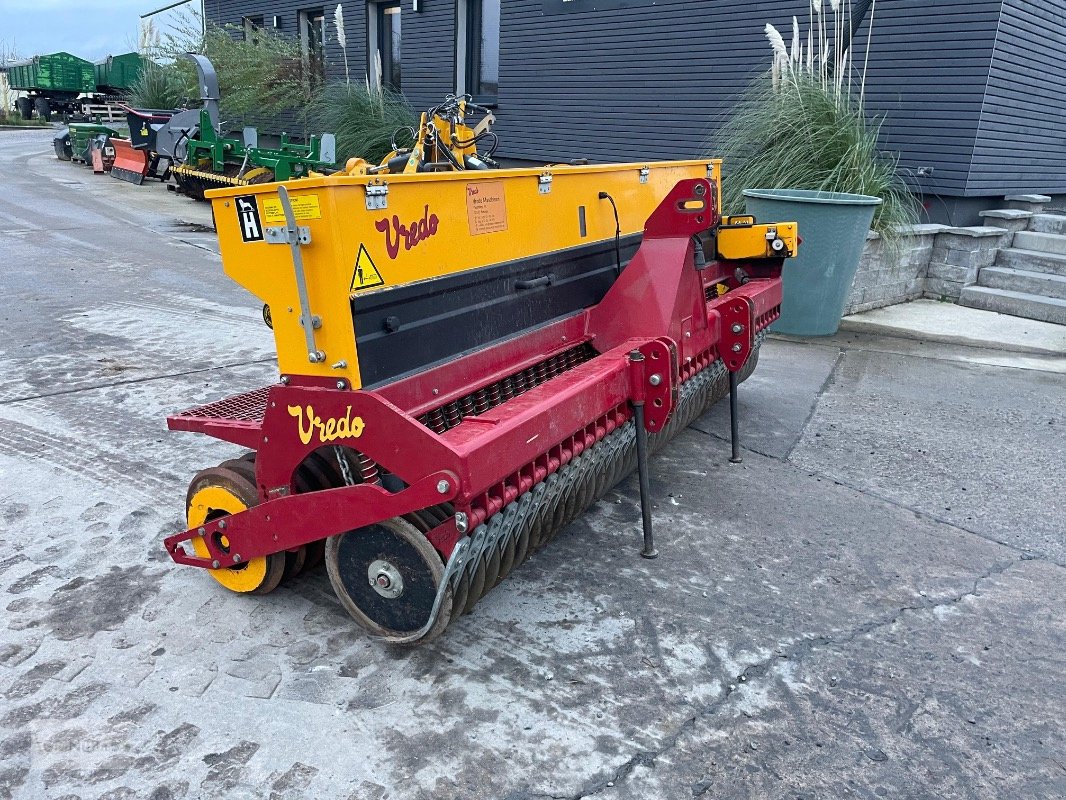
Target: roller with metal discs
(470,357)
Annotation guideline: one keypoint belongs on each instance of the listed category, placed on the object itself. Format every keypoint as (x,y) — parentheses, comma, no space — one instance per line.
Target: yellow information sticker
(304,206)
(486,207)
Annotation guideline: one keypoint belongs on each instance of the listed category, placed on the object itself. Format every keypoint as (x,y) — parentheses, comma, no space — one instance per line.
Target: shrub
(156,87)
(803,125)
(364,119)
(255,77)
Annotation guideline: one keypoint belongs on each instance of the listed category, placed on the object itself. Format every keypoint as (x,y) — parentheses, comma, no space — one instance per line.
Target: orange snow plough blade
(130,165)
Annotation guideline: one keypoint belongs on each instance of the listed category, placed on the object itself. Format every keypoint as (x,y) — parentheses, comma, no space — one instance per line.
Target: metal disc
(462,593)
(492,569)
(477,585)
(521,551)
(316,473)
(507,557)
(403,547)
(545,514)
(316,551)
(575,491)
(558,508)
(312,476)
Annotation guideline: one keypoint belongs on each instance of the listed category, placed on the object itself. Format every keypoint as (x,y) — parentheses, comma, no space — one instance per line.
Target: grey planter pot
(832,227)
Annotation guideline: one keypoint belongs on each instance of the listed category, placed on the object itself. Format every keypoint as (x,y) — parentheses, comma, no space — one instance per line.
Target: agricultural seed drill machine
(468,360)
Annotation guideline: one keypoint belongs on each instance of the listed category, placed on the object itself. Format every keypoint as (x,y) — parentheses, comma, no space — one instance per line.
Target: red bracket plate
(294,520)
(654,380)
(738,329)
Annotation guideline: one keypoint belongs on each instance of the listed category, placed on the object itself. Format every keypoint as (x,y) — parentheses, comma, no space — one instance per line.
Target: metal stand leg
(649,550)
(734,422)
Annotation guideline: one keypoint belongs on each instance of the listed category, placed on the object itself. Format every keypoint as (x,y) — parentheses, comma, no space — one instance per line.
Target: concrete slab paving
(931,320)
(981,447)
(816,626)
(915,701)
(773,420)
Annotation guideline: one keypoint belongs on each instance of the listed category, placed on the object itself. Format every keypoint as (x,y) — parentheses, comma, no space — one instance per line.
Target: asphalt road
(870,606)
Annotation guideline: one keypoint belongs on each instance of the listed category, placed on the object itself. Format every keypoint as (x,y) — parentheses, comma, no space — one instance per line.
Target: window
(480,41)
(313,45)
(252,26)
(387,47)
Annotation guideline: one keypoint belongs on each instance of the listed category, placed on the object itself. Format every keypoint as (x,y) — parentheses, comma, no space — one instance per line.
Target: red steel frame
(661,305)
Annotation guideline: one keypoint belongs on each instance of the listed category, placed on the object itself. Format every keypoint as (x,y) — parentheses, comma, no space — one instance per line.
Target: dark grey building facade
(971,92)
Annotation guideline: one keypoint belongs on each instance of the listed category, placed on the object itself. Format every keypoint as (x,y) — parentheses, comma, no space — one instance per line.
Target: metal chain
(345,467)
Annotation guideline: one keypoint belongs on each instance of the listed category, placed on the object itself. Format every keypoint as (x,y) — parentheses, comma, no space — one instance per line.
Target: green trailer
(115,75)
(51,83)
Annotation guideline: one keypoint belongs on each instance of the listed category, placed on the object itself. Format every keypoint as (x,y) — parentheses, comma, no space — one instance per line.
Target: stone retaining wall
(929,261)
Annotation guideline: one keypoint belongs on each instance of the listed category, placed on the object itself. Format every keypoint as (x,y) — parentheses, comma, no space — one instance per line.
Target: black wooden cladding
(1021,138)
(971,89)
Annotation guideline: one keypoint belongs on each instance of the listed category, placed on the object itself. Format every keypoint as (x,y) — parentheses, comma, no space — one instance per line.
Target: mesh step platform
(237,419)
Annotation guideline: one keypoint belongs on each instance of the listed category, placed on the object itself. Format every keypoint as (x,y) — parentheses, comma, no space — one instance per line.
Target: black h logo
(248,218)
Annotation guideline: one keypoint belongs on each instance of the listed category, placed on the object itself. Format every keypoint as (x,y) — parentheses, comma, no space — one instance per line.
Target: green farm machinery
(51,83)
(82,135)
(188,144)
(202,158)
(115,75)
(61,82)
(209,160)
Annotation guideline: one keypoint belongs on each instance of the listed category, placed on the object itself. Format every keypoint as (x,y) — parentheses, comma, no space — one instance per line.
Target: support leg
(649,550)
(734,422)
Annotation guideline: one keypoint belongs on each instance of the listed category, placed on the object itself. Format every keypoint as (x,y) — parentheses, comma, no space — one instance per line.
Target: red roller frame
(659,305)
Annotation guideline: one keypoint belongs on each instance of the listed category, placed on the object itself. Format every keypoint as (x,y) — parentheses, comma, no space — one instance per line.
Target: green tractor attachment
(82,135)
(210,160)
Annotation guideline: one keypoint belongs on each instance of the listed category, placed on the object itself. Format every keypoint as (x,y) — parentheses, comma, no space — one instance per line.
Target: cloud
(91,31)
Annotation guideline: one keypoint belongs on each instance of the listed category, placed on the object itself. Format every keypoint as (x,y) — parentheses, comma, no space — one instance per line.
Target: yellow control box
(740,237)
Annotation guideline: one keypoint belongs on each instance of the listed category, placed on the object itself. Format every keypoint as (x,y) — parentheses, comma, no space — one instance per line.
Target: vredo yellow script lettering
(329,429)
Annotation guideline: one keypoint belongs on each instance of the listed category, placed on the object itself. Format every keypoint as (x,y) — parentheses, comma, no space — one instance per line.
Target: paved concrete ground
(934,321)
(870,606)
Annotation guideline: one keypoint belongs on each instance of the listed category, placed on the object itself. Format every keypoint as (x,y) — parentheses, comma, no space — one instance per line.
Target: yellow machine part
(451,137)
(371,233)
(740,238)
(215,177)
(457,137)
(248,577)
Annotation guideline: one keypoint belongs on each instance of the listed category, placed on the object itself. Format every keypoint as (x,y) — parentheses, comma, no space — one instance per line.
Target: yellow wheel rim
(212,502)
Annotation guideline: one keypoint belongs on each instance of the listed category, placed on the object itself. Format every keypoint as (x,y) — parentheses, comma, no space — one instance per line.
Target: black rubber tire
(43,109)
(61,143)
(24,105)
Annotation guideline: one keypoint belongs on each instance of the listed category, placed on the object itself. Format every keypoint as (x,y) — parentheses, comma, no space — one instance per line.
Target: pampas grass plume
(338,20)
(777,42)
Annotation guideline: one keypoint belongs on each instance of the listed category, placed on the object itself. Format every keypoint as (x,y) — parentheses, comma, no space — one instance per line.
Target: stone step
(1011,220)
(1048,223)
(1028,202)
(1017,304)
(1042,242)
(1031,260)
(1044,284)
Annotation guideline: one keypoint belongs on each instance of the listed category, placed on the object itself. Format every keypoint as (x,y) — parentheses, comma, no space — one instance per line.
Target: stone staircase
(1028,278)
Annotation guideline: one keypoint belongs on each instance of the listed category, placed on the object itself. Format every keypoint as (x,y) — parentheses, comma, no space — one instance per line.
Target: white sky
(90,29)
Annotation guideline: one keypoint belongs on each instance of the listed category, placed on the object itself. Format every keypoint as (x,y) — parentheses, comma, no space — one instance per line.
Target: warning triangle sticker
(366,274)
